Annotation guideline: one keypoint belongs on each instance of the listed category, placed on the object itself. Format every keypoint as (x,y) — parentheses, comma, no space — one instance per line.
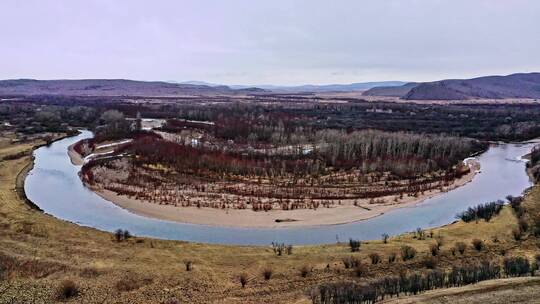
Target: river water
(53,185)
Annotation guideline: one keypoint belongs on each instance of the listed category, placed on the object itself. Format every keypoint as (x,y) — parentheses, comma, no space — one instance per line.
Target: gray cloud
(279,42)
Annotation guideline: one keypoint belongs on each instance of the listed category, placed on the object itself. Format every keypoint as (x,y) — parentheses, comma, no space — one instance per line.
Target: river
(54,185)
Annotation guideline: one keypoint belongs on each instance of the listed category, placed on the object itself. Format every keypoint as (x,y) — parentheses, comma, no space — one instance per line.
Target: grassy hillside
(40,254)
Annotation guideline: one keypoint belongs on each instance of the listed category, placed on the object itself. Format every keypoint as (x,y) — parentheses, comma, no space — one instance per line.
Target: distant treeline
(403,154)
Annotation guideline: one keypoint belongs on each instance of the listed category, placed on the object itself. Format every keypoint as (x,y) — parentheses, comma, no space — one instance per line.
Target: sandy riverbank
(76,158)
(345,213)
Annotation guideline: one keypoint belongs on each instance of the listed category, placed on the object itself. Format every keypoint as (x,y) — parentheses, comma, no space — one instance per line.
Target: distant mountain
(328,87)
(111,87)
(523,85)
(391,91)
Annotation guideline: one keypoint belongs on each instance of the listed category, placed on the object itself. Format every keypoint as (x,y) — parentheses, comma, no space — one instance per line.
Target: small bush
(420,234)
(523,225)
(289,249)
(360,270)
(453,250)
(430,262)
(67,290)
(516,266)
(304,271)
(439,241)
(350,262)
(434,249)
(281,248)
(121,235)
(243,278)
(478,244)
(517,234)
(461,247)
(355,245)
(392,257)
(375,258)
(407,253)
(385,238)
(515,203)
(267,273)
(189,265)
(483,211)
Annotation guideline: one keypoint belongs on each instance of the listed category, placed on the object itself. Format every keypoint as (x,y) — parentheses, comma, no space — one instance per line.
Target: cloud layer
(268,42)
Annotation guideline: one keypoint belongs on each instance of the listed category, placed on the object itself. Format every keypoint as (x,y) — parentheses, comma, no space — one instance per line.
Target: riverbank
(76,158)
(345,213)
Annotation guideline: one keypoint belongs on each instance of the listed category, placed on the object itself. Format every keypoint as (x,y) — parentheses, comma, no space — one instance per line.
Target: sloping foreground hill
(109,87)
(491,87)
(391,91)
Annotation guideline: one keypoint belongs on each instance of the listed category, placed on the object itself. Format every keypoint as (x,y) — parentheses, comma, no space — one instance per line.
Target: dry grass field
(39,253)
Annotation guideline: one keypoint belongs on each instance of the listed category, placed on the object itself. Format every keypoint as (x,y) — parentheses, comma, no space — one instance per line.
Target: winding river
(53,184)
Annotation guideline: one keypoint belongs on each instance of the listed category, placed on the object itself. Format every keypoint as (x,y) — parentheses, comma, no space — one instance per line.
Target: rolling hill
(521,85)
(491,87)
(111,87)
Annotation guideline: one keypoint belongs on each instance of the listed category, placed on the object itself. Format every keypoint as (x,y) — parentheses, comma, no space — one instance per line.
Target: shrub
(517,234)
(267,273)
(453,250)
(289,249)
(281,248)
(420,234)
(243,278)
(189,265)
(67,290)
(392,257)
(121,235)
(375,258)
(385,238)
(360,270)
(434,249)
(523,225)
(478,244)
(461,247)
(430,262)
(350,262)
(407,253)
(355,245)
(515,203)
(516,266)
(483,211)
(439,241)
(304,271)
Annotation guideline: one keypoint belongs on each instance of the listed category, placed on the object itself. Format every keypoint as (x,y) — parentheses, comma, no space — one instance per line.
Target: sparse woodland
(313,169)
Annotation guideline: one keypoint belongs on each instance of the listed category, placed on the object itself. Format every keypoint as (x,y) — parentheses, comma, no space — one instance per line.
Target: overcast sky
(268,42)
